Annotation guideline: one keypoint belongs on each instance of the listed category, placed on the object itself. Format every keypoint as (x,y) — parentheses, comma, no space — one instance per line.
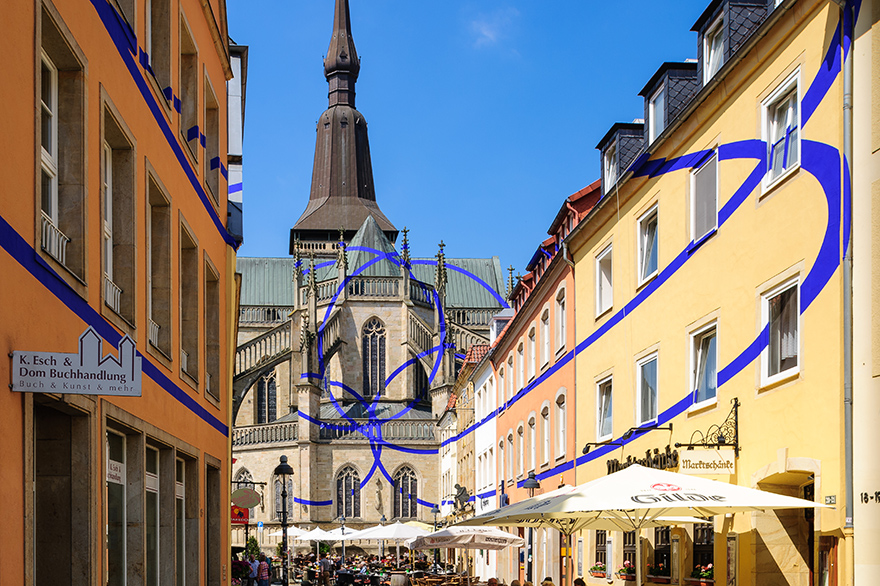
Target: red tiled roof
(476,353)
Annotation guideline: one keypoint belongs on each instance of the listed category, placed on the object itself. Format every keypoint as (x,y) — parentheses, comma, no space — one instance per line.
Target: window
(189,90)
(605,413)
(212,143)
(244,479)
(266,399)
(501,384)
(116,509)
(560,320)
(704,187)
(501,462)
(560,426)
(704,361)
(348,493)
(62,188)
(158,42)
(601,547)
(545,432)
(604,281)
(533,448)
(189,304)
(656,114)
(159,270)
(781,317)
(510,457)
(118,216)
(405,493)
(510,378)
(180,518)
(532,352)
(648,245)
(521,451)
(545,337)
(610,166)
(212,330)
(704,543)
(662,547)
(520,367)
(127,9)
(646,406)
(713,49)
(373,357)
(629,547)
(782,129)
(279,498)
(152,516)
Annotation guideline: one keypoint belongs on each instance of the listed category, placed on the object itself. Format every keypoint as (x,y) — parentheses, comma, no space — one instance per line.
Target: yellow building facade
(709,299)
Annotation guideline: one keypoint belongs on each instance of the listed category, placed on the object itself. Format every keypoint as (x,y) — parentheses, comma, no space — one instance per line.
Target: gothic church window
(244,479)
(405,493)
(373,353)
(348,493)
(278,491)
(266,404)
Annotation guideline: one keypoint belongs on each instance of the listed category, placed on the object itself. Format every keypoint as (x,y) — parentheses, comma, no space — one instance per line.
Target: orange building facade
(119,305)
(535,383)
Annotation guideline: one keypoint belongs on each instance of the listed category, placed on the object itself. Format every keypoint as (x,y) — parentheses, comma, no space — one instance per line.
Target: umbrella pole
(398,555)
(638,557)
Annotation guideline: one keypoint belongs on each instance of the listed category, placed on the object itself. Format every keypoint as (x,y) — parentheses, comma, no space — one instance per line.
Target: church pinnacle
(342,190)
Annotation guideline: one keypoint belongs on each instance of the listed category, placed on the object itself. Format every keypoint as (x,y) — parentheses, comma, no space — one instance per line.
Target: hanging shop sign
(707,462)
(659,460)
(86,372)
(240,516)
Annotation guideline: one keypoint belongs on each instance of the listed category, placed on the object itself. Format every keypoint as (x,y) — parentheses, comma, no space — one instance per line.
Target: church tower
(342,195)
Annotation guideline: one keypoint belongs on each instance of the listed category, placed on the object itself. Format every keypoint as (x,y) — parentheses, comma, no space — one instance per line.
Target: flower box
(596,574)
(659,579)
(700,581)
(627,577)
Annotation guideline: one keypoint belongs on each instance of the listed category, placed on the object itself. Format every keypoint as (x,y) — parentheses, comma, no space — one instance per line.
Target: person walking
(263,571)
(254,569)
(326,567)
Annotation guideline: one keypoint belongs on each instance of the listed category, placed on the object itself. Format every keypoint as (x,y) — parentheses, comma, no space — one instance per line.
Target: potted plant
(597,570)
(702,575)
(659,573)
(627,571)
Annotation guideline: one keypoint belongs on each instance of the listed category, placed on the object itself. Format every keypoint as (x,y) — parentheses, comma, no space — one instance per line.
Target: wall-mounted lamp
(589,445)
(634,430)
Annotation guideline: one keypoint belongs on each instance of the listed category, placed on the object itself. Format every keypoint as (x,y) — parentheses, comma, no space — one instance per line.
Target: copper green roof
(266,281)
(461,289)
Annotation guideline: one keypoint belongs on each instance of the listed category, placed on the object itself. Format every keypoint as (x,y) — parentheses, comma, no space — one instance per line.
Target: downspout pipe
(847,16)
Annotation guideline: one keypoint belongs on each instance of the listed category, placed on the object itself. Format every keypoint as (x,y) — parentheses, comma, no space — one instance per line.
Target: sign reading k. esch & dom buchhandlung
(87,372)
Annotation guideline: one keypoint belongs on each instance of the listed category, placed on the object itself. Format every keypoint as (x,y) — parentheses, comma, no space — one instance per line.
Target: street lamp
(342,520)
(382,520)
(435,509)
(531,484)
(284,470)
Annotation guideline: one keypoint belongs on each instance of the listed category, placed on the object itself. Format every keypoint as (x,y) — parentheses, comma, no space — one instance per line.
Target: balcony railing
(261,314)
(271,433)
(184,361)
(421,293)
(112,294)
(154,333)
(53,240)
(390,430)
(374,287)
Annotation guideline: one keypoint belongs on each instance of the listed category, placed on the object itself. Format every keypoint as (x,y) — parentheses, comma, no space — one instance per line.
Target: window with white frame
(648,241)
(533,438)
(545,337)
(704,348)
(782,128)
(609,162)
(605,411)
(151,525)
(781,317)
(532,352)
(604,281)
(180,532)
(560,320)
(560,425)
(501,467)
(521,450)
(520,367)
(713,49)
(510,376)
(545,433)
(510,456)
(656,114)
(646,404)
(704,203)
(49,140)
(501,385)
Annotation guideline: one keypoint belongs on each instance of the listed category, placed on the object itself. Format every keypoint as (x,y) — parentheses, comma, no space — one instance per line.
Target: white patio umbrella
(467,538)
(317,534)
(291,532)
(638,497)
(396,532)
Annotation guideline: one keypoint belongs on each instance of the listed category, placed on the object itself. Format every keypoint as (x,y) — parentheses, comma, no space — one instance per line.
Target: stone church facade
(348,349)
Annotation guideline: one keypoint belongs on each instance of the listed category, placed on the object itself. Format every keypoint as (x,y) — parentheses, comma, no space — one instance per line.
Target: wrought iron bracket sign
(725,435)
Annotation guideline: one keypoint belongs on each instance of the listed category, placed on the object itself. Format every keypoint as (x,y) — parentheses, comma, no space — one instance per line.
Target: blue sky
(483,114)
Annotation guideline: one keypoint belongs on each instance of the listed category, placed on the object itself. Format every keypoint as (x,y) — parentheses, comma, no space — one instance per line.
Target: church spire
(342,65)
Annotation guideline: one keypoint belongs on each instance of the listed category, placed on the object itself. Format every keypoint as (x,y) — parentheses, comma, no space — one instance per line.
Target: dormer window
(713,49)
(657,114)
(610,166)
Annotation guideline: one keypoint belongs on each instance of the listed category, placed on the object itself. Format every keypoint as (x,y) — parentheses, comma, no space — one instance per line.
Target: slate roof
(371,236)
